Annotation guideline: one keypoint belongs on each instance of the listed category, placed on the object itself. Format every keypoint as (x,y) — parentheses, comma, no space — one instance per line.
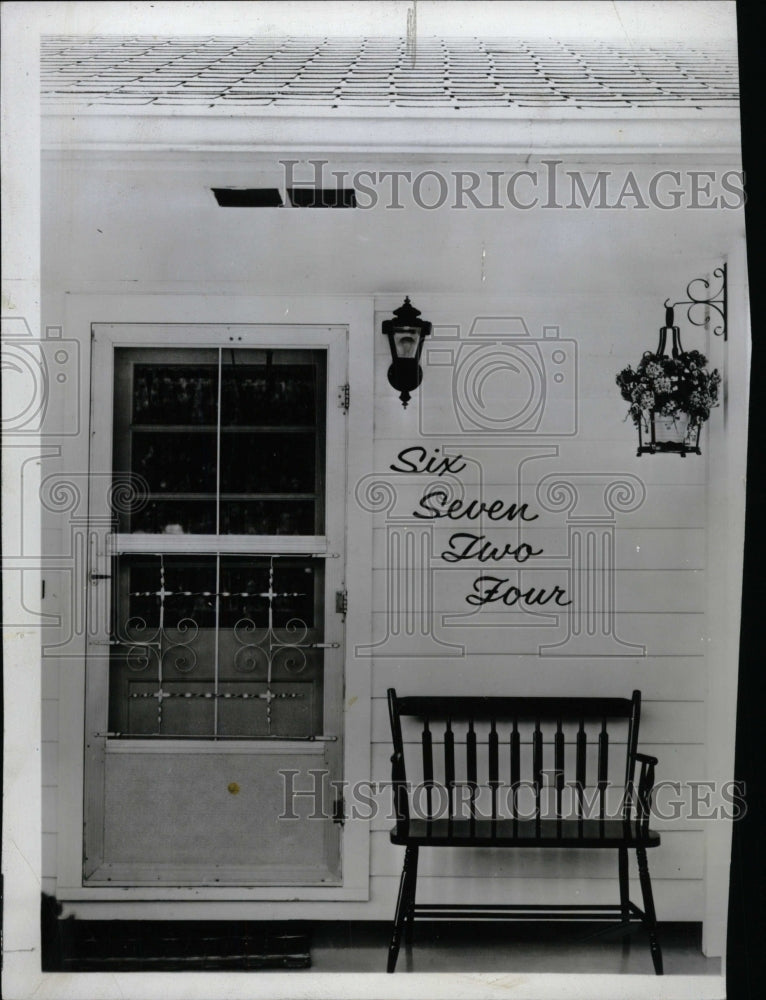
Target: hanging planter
(670,397)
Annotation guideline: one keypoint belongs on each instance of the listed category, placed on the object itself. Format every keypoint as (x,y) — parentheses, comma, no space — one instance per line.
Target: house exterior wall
(144,233)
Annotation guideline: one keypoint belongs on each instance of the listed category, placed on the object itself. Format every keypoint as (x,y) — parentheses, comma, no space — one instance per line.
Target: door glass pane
(217,646)
(271,621)
(166,439)
(224,441)
(164,614)
(183,394)
(272,442)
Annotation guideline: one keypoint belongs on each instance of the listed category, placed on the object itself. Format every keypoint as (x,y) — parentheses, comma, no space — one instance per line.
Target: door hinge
(344,397)
(339,810)
(341,603)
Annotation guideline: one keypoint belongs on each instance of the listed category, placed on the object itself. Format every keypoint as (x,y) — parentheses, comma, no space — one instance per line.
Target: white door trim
(357,315)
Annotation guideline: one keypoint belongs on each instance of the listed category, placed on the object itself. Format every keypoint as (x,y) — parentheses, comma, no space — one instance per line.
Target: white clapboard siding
(660,634)
(681,855)
(660,548)
(600,415)
(676,678)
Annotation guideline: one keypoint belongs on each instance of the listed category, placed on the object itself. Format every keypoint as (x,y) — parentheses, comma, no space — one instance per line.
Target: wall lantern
(405,338)
(671,396)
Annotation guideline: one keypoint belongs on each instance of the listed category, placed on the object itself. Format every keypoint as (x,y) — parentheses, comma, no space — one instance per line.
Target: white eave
(636,131)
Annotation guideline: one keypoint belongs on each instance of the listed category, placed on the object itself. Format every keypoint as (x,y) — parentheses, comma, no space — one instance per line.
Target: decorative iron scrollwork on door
(216,629)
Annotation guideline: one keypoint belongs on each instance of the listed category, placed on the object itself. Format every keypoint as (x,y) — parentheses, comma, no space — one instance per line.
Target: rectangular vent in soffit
(248,197)
(300,197)
(309,197)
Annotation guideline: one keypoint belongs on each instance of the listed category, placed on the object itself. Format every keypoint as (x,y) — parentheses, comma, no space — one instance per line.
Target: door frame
(357,315)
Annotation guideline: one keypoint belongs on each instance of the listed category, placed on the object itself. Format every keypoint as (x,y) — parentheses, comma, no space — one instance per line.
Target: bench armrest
(399,787)
(645,785)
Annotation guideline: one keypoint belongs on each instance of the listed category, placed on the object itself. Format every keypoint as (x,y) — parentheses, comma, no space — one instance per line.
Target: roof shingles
(442,73)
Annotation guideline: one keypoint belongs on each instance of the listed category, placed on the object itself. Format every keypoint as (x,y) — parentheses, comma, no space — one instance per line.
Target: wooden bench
(496,772)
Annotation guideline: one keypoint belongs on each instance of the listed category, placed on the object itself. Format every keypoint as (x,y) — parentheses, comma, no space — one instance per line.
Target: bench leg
(404,905)
(409,916)
(624,885)
(624,899)
(649,914)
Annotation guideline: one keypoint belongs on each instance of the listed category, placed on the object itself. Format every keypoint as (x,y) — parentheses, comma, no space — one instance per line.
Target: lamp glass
(407,339)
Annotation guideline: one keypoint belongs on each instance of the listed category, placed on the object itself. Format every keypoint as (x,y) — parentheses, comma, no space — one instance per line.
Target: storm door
(217,673)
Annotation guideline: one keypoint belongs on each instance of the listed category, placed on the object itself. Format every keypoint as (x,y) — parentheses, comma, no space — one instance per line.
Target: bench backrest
(518,758)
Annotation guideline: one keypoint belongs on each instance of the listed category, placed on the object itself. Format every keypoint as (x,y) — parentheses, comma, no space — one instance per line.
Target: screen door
(216,651)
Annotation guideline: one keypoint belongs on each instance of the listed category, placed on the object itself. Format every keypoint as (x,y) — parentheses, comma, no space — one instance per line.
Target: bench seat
(587,833)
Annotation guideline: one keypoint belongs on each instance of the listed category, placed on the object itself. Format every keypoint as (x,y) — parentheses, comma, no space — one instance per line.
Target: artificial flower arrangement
(670,397)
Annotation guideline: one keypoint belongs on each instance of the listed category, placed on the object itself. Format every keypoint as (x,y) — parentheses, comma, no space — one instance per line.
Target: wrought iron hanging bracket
(699,294)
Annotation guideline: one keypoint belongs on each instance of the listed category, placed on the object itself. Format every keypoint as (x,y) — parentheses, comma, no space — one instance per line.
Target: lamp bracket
(701,296)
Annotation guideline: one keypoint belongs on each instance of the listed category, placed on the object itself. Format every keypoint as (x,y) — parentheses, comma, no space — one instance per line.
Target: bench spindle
(449,768)
(471,770)
(494,769)
(515,767)
(558,757)
(428,767)
(603,768)
(582,747)
(537,766)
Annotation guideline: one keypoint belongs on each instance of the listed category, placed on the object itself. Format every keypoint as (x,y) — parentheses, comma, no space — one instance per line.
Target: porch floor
(482,947)
(362,946)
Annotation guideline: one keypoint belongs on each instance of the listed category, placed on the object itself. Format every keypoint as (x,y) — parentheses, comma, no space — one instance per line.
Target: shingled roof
(463,75)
